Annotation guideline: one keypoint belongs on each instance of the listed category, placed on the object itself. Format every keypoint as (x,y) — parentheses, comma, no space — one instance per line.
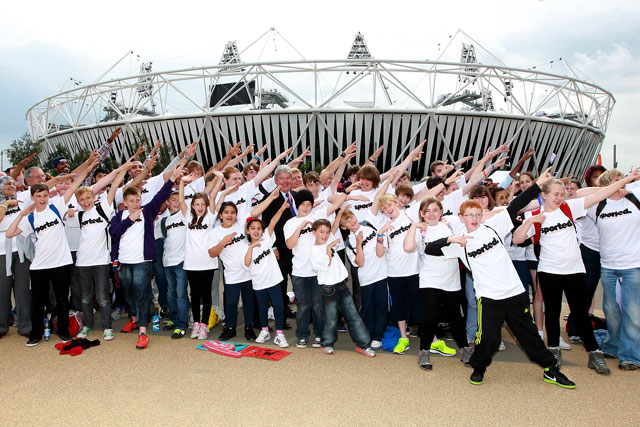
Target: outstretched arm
(266,171)
(276,218)
(262,206)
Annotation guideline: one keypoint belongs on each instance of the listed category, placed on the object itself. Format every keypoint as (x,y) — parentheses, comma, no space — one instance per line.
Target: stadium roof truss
(320,86)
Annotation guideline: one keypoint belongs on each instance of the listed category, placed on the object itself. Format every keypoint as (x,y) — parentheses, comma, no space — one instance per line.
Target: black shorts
(406,302)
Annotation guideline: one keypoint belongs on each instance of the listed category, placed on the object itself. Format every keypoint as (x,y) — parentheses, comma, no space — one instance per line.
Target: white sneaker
(263,336)
(84,332)
(376,345)
(108,334)
(281,341)
(501,346)
(203,334)
(196,330)
(563,345)
(317,342)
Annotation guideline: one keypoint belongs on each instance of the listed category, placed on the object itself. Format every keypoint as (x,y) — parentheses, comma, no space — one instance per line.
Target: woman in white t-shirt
(439,281)
(200,267)
(560,267)
(618,221)
(265,275)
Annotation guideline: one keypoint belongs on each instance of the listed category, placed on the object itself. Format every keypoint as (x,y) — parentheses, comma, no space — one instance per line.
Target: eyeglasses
(472,215)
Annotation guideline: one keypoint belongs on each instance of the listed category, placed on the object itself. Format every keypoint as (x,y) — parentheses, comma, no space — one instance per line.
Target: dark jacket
(272,209)
(119,225)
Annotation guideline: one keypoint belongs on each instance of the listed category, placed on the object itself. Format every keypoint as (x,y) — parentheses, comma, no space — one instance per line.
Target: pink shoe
(204,332)
(196,330)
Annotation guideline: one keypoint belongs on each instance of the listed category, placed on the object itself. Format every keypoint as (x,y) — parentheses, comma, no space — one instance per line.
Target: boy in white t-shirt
(364,252)
(134,248)
(335,295)
(51,264)
(92,258)
(498,287)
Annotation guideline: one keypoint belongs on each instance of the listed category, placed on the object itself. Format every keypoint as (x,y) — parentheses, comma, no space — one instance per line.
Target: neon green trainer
(402,346)
(439,347)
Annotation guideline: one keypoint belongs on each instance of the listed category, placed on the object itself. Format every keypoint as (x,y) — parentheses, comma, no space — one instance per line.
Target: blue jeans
(308,298)
(338,297)
(135,280)
(275,295)
(232,295)
(373,310)
(472,309)
(177,296)
(623,324)
(160,274)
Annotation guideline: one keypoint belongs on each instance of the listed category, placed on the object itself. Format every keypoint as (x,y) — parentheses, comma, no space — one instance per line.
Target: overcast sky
(42,44)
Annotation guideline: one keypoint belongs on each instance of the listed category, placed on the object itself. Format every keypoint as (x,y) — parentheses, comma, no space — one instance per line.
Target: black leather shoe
(289,314)
(287,326)
(249,334)
(227,334)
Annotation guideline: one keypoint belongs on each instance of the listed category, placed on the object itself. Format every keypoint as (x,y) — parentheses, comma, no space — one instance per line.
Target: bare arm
(266,171)
(17,170)
(257,211)
(276,217)
(183,203)
(76,182)
(610,189)
(111,195)
(359,251)
(296,162)
(333,166)
(293,240)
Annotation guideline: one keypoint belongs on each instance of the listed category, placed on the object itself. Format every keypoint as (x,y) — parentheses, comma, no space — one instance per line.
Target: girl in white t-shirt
(265,275)
(618,221)
(439,281)
(560,268)
(200,267)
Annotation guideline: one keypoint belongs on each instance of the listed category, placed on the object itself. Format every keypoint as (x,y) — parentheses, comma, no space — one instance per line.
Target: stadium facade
(461,108)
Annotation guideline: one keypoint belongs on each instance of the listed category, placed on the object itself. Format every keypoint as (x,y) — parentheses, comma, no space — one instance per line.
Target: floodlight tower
(230,55)
(359,48)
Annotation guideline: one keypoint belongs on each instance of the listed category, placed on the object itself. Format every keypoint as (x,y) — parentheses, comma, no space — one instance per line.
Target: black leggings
(432,301)
(552,286)
(200,286)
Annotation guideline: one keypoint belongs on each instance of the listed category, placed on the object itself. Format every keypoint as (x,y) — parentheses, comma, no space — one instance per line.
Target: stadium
(463,103)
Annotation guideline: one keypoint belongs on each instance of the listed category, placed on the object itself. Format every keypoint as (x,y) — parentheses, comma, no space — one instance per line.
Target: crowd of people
(361,248)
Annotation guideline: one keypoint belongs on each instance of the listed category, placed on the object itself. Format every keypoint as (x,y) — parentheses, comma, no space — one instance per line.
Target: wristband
(380,235)
(256,158)
(372,160)
(343,154)
(3,206)
(380,240)
(485,173)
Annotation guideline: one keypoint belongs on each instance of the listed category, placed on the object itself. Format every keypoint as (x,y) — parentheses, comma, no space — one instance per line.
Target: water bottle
(156,322)
(47,331)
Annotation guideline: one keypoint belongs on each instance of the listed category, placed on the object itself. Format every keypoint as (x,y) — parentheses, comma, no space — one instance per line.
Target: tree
(22,148)
(165,153)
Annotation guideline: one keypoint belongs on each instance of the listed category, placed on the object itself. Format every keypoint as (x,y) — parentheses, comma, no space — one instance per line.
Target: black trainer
(554,376)
(177,334)
(249,334)
(169,326)
(477,376)
(227,334)
(33,342)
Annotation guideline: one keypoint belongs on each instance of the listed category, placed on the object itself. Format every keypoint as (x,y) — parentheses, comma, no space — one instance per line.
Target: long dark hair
(194,217)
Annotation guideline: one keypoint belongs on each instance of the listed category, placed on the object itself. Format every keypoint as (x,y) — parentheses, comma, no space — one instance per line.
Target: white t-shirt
(361,208)
(437,272)
(493,273)
(559,248)
(242,197)
(588,233)
(328,274)
(93,248)
(301,264)
(175,242)
(619,229)
(451,203)
(192,188)
(516,253)
(51,247)
(131,248)
(71,224)
(232,256)
(149,189)
(374,268)
(9,216)
(198,243)
(264,269)
(401,263)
